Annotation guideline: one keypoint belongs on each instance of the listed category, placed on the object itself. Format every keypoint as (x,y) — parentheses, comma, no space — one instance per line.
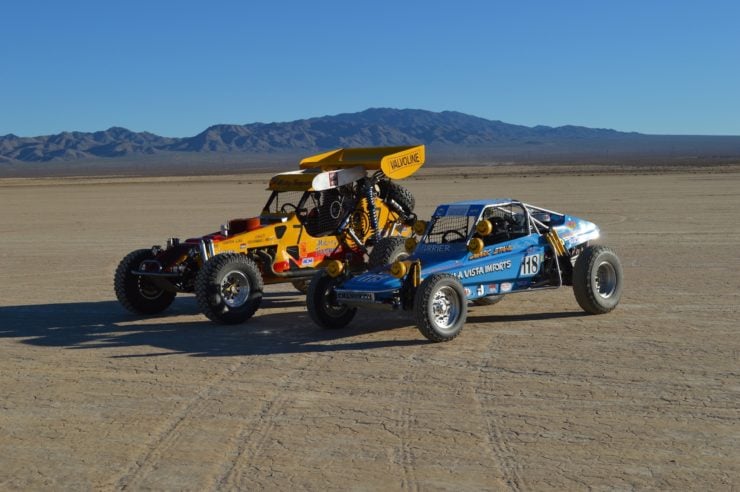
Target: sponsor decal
(370,277)
(571,224)
(306,261)
(506,287)
(435,248)
(482,270)
(405,160)
(356,296)
(242,246)
(493,288)
(482,254)
(467,291)
(503,249)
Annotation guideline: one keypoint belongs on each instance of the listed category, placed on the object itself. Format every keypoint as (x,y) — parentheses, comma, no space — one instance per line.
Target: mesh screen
(450,229)
(284,201)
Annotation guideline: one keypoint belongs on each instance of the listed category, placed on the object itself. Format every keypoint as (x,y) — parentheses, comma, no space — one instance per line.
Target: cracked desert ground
(533,395)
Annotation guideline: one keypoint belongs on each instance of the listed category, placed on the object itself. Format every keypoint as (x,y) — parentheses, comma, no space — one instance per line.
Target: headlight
(475,245)
(399,269)
(410,244)
(484,227)
(335,268)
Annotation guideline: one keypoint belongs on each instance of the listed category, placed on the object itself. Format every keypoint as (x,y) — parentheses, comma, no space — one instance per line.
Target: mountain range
(450,133)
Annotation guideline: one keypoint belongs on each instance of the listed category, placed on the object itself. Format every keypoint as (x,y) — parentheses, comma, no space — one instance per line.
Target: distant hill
(451,134)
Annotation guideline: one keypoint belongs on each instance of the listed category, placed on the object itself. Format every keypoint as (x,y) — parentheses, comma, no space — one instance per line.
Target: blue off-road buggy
(478,252)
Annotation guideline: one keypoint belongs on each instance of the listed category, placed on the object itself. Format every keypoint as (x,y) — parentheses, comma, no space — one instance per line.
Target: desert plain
(533,395)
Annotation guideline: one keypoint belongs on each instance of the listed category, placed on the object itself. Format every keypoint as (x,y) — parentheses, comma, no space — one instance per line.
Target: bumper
(381,299)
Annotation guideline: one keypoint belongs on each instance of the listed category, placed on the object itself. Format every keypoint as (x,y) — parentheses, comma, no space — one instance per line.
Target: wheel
(440,307)
(136,293)
(597,279)
(487,301)
(229,288)
(301,285)
(399,194)
(322,307)
(387,250)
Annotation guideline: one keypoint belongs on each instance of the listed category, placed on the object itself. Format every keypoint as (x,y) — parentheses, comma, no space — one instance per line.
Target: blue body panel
(500,268)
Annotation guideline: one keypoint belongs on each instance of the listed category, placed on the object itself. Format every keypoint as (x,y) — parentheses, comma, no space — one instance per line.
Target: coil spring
(372,209)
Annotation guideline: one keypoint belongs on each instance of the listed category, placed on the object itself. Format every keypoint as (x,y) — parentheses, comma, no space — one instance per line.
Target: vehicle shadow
(105,324)
(513,318)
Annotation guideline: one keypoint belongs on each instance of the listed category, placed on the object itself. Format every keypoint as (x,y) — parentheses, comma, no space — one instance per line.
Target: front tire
(229,288)
(137,293)
(440,306)
(323,308)
(597,279)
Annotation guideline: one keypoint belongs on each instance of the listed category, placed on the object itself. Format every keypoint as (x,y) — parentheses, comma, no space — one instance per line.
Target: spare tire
(387,250)
(397,193)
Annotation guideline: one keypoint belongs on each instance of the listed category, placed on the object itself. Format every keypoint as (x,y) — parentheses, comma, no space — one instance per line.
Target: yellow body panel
(395,162)
(313,252)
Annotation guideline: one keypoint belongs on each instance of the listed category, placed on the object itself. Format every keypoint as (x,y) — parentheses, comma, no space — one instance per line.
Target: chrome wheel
(606,279)
(235,289)
(445,308)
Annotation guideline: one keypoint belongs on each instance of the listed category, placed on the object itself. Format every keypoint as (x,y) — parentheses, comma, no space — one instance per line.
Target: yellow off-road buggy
(342,209)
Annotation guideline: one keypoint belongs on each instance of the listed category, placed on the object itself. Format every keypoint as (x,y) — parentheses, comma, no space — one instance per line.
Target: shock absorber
(372,211)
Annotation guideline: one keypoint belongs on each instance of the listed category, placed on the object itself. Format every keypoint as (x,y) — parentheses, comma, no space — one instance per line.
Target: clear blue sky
(176,67)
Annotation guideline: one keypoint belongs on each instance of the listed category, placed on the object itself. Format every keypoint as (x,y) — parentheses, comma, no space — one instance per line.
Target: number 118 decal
(530,265)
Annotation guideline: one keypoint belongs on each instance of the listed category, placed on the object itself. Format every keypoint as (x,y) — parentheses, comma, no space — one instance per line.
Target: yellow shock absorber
(558,246)
(416,267)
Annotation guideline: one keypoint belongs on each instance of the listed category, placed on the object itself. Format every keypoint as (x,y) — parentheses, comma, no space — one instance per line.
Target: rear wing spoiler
(394,162)
(315,179)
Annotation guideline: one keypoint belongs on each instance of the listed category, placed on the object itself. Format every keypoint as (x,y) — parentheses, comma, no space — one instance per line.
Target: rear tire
(229,288)
(597,279)
(136,293)
(387,250)
(322,307)
(440,307)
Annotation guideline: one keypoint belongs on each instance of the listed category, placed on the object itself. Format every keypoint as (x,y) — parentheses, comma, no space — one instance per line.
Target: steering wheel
(285,205)
(459,235)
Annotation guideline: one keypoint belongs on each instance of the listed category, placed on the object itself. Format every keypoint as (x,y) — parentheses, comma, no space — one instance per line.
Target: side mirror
(484,227)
